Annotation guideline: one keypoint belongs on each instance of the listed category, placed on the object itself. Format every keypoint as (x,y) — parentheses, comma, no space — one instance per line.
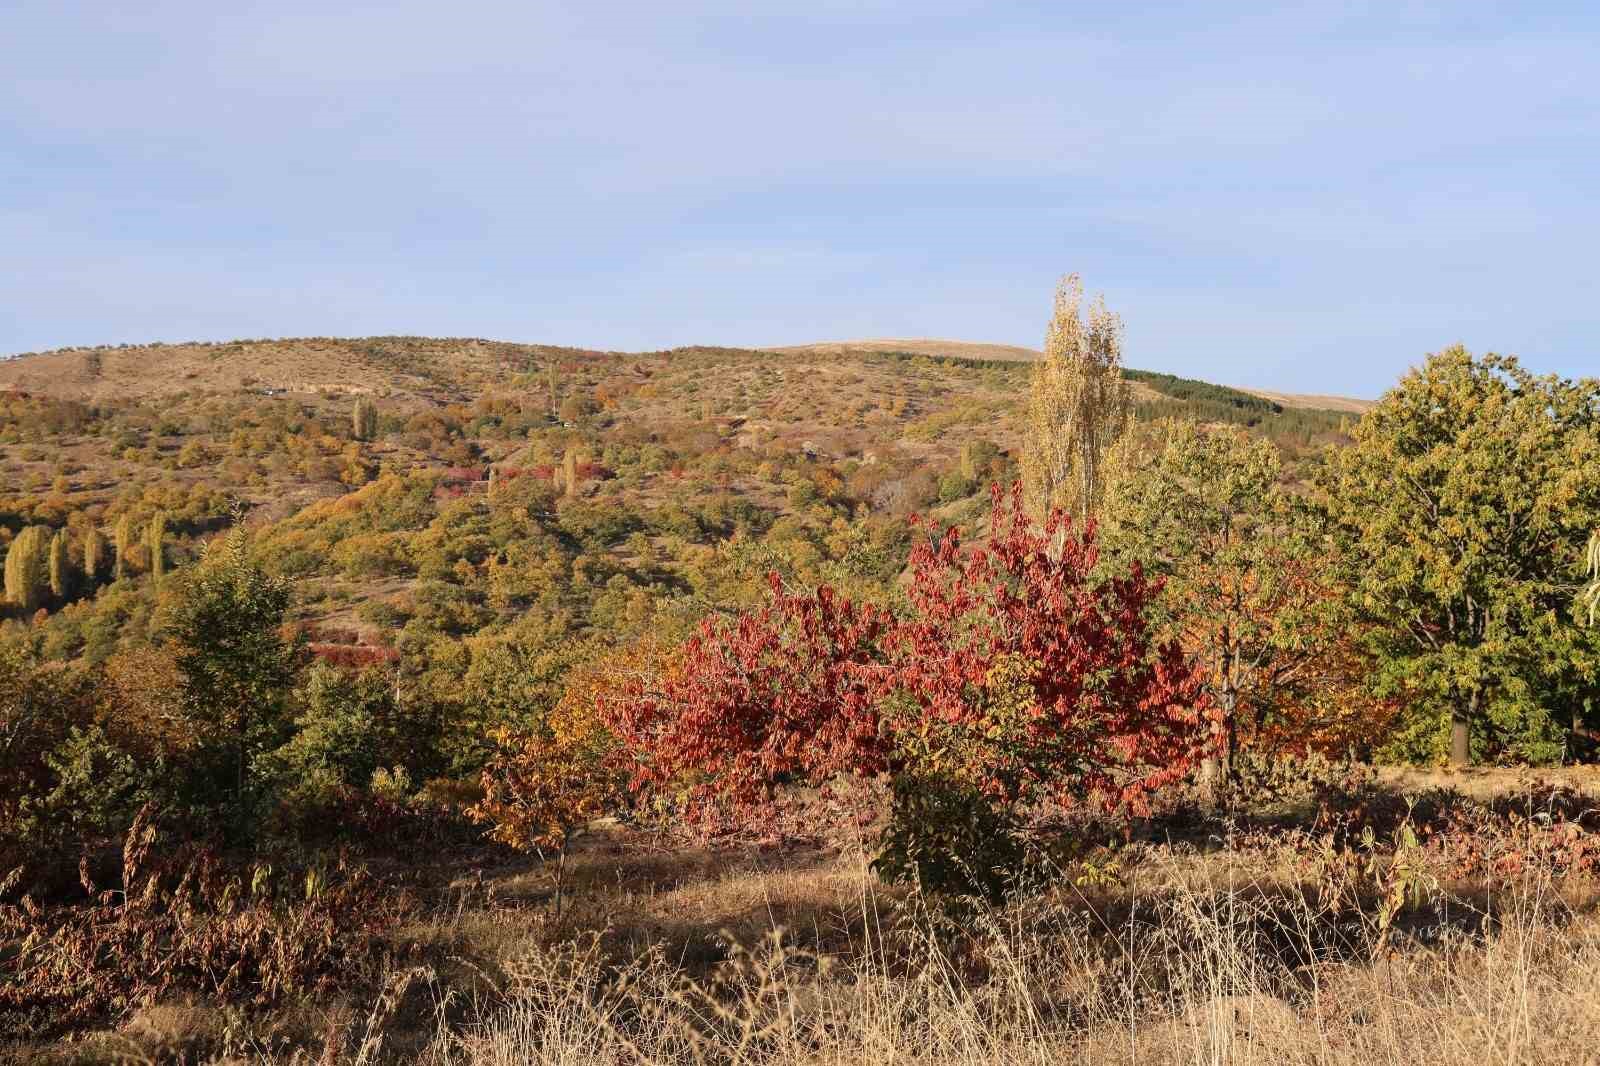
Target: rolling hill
(981,351)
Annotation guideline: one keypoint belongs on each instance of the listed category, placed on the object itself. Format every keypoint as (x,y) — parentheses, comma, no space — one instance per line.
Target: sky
(1298,196)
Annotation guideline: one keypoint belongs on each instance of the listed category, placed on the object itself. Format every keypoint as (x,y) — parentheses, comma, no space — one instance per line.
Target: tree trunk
(1461,730)
(1227,741)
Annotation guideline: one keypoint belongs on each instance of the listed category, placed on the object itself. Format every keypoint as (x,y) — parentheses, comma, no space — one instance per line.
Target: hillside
(981,351)
(802,456)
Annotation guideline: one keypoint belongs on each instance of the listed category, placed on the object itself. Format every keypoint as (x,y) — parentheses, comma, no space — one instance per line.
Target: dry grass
(1233,972)
(1225,948)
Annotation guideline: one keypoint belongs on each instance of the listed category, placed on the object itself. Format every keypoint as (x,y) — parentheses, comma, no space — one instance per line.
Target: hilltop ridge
(442,369)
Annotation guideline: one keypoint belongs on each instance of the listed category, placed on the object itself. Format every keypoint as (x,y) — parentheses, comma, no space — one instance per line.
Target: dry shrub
(185,925)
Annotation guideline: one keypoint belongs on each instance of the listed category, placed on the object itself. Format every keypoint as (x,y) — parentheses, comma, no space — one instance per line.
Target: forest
(400,699)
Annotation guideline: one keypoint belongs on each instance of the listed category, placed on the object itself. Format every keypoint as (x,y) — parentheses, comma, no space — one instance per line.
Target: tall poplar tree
(155,541)
(1079,404)
(27,575)
(1461,498)
(124,544)
(59,576)
(364,419)
(94,549)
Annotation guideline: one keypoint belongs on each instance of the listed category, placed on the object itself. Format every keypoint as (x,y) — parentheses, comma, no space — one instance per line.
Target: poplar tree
(1079,405)
(1461,497)
(155,538)
(94,547)
(364,419)
(26,576)
(124,544)
(58,565)
(569,463)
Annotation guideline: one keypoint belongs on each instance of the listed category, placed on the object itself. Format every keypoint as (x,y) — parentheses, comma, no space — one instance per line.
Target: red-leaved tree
(786,691)
(1018,673)
(1025,675)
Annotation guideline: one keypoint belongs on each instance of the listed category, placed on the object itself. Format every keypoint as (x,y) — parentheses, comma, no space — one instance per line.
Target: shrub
(1017,675)
(184,924)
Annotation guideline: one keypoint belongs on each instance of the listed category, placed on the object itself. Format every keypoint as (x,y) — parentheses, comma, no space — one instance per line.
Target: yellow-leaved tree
(1079,405)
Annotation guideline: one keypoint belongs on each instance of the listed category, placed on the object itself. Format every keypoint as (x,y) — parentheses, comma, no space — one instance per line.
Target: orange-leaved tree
(543,785)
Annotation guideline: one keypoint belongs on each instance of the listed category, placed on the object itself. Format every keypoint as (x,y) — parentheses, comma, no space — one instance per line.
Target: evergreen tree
(27,573)
(1079,405)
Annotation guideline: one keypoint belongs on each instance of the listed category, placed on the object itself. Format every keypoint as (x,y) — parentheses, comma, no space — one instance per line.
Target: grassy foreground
(1456,925)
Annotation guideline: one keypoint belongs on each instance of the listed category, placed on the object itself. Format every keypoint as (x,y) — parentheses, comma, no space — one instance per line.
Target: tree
(236,666)
(59,576)
(1459,500)
(155,542)
(1017,674)
(124,544)
(546,781)
(1079,404)
(1244,585)
(569,471)
(578,406)
(364,419)
(27,572)
(94,549)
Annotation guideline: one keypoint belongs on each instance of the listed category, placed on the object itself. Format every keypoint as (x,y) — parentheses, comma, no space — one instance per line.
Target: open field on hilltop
(1284,933)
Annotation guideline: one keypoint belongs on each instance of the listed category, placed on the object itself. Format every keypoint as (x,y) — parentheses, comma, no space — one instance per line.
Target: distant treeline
(1183,398)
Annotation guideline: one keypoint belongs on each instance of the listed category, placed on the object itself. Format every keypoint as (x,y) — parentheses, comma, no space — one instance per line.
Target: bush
(184,924)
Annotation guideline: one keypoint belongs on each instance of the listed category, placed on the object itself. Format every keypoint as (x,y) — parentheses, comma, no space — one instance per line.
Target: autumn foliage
(1016,672)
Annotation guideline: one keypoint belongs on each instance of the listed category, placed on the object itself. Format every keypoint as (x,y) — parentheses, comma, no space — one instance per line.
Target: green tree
(27,572)
(364,419)
(124,544)
(1241,566)
(1460,498)
(59,576)
(236,668)
(1079,404)
(94,550)
(155,543)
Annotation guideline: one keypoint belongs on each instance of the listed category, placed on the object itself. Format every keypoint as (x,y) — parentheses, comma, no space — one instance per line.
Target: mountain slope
(947,349)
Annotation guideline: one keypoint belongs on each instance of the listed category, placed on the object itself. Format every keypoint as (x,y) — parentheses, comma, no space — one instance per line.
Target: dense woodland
(480,595)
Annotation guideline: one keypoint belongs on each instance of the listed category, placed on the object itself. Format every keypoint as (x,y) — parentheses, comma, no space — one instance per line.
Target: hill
(1010,352)
(692,471)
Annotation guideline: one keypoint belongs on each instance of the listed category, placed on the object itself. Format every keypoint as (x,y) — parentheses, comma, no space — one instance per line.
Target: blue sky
(1298,196)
